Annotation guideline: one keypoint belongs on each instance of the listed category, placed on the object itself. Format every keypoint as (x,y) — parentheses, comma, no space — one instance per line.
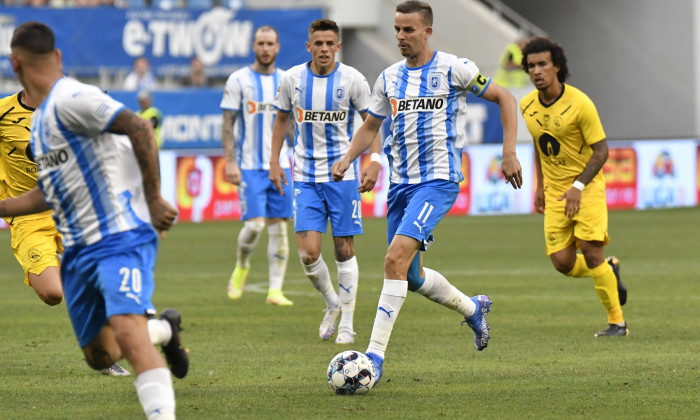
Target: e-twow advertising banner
(93,38)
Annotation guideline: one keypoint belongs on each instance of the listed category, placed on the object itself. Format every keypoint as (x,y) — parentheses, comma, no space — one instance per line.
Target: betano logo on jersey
(259,107)
(52,160)
(311,116)
(409,105)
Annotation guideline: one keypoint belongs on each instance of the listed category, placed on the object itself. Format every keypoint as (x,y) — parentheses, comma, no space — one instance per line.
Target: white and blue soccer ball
(351,372)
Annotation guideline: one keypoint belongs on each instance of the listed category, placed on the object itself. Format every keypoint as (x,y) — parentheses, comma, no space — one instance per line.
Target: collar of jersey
(337,65)
(424,65)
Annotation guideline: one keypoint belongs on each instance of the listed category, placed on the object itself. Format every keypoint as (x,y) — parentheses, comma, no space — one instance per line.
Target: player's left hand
(369,177)
(163,214)
(573,202)
(510,166)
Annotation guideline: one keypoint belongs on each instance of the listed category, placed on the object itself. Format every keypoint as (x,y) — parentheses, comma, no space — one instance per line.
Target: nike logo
(533,114)
(280,257)
(347,290)
(18,120)
(300,91)
(388,313)
(357,222)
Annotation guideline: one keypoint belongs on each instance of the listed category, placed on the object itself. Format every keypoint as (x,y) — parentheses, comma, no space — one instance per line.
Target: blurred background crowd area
(601,39)
(123,4)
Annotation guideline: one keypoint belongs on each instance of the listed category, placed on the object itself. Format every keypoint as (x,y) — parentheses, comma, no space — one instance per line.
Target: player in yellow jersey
(570,150)
(35,241)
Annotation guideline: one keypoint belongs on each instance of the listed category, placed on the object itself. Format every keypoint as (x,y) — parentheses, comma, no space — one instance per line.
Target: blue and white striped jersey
(90,177)
(324,112)
(251,95)
(427,106)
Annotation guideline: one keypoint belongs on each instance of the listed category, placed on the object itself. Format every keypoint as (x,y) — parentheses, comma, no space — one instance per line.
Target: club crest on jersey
(434,81)
(339,93)
(311,116)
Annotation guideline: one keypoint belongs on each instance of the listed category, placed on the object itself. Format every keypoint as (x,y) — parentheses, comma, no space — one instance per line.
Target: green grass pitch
(253,361)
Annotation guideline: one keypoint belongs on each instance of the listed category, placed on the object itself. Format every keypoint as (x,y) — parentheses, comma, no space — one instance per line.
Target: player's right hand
(338,169)
(539,200)
(233,173)
(277,177)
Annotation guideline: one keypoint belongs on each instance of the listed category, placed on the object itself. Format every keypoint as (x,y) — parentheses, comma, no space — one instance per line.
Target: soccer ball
(350,373)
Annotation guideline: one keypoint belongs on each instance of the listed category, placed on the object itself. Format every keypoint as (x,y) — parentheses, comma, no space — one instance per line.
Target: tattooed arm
(594,165)
(143,141)
(233,171)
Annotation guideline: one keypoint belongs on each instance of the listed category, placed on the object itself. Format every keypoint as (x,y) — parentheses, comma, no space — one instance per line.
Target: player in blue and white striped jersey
(424,95)
(248,102)
(104,189)
(323,97)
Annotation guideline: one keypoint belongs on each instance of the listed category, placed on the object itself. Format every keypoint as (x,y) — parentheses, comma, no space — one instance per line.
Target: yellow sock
(606,286)
(580,268)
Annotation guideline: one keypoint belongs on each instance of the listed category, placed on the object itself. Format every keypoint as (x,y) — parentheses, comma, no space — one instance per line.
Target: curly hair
(541,44)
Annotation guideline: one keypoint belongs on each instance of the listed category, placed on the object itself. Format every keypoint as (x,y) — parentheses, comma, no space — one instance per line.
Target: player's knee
(50,295)
(563,266)
(308,258)
(248,237)
(393,266)
(52,299)
(97,358)
(344,248)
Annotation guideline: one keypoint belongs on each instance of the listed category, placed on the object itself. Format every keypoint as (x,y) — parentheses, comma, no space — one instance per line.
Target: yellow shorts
(589,224)
(36,243)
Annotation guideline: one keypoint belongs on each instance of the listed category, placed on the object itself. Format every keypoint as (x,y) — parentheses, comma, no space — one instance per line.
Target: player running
(570,150)
(424,95)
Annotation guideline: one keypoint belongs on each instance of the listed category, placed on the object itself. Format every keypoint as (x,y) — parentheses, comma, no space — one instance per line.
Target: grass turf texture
(251,360)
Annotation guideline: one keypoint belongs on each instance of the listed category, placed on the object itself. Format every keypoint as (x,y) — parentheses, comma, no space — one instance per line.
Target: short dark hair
(324,25)
(34,37)
(540,44)
(266,28)
(421,7)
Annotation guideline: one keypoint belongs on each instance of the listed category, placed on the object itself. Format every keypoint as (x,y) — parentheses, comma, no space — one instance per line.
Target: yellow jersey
(563,133)
(17,167)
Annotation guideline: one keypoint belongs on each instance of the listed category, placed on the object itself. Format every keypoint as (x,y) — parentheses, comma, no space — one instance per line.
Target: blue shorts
(259,197)
(111,277)
(316,203)
(414,210)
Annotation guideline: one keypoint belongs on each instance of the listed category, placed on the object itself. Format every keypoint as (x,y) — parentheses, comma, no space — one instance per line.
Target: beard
(265,62)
